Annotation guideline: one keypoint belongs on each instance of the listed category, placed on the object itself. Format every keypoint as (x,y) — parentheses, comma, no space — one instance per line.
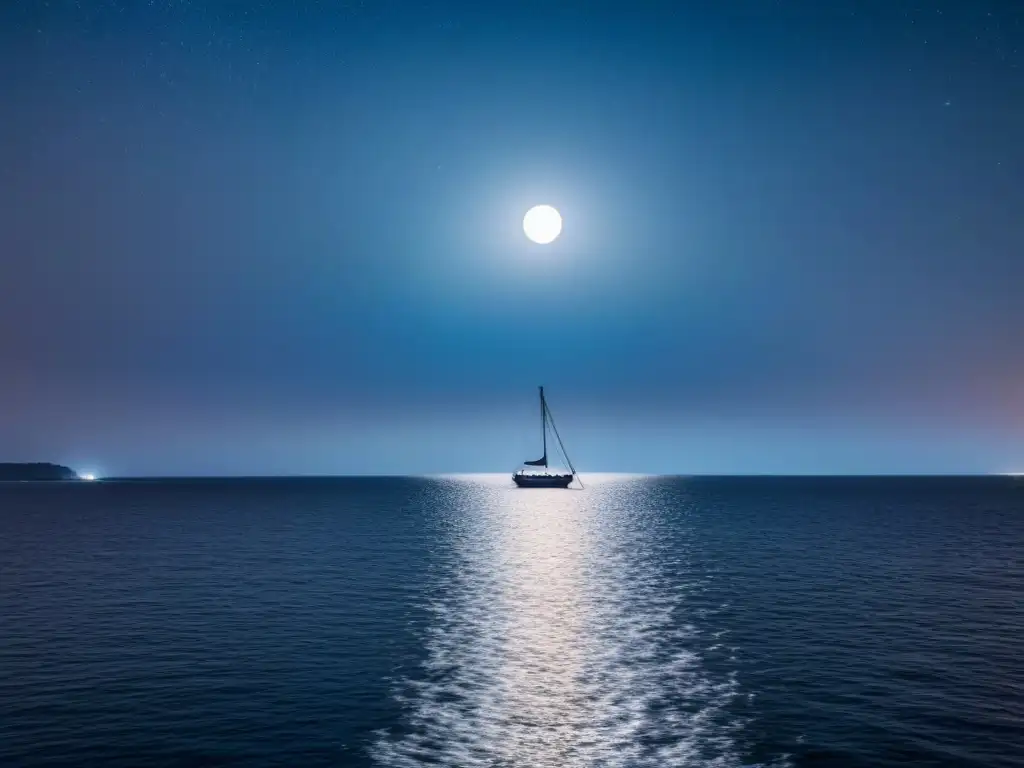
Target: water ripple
(462,622)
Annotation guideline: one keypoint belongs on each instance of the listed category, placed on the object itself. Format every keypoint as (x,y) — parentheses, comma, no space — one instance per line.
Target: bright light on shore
(87,476)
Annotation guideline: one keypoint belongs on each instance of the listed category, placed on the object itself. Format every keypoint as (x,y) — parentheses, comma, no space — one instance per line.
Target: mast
(544,424)
(543,460)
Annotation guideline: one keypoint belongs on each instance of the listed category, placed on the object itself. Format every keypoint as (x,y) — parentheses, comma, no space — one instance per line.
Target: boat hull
(542,481)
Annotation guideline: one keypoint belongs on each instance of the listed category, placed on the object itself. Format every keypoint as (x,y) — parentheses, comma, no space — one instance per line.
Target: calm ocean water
(463,622)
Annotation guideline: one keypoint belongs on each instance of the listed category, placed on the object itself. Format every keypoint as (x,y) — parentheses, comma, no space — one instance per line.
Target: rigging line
(561,445)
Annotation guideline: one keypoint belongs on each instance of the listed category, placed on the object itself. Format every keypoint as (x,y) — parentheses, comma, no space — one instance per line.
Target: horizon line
(431,475)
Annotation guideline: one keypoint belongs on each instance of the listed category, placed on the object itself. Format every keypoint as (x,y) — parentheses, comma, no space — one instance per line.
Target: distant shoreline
(36,472)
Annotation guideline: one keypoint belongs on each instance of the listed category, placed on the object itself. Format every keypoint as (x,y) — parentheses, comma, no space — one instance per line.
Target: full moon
(542,224)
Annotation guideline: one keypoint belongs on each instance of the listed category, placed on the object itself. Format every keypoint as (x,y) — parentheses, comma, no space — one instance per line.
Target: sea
(460,621)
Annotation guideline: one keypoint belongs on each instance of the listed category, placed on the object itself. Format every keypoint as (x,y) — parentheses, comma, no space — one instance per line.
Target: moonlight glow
(542,224)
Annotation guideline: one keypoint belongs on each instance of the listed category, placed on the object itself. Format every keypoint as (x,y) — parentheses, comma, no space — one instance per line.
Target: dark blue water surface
(464,622)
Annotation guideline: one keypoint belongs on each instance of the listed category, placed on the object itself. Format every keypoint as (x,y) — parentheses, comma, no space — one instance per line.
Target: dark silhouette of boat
(545,478)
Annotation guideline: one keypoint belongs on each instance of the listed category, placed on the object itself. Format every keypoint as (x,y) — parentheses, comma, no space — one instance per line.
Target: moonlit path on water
(566,632)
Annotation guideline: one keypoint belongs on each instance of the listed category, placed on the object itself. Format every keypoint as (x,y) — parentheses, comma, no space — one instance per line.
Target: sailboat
(525,478)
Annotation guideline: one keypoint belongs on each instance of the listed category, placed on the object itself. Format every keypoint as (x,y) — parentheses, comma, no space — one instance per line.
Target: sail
(543,460)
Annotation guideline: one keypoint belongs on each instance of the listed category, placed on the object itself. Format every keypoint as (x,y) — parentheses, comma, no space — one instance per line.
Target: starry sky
(285,237)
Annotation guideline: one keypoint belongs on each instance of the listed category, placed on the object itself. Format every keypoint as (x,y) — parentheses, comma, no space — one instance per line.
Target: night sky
(285,237)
